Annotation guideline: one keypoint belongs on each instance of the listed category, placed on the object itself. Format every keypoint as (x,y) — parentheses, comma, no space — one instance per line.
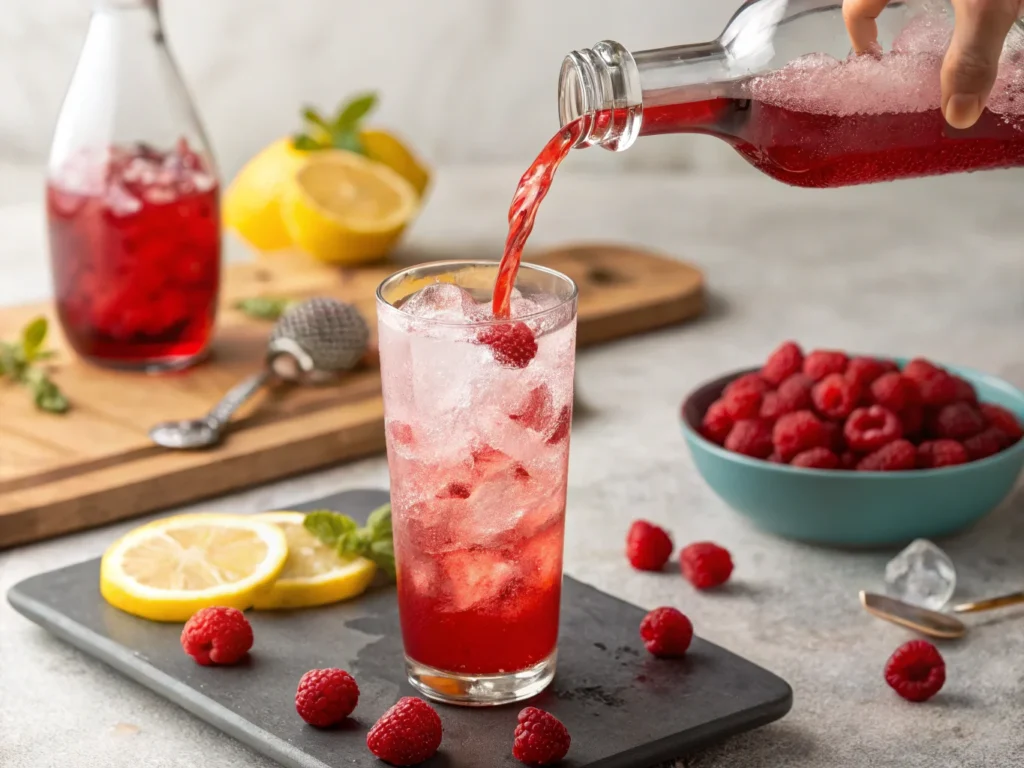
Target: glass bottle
(132,201)
(781,85)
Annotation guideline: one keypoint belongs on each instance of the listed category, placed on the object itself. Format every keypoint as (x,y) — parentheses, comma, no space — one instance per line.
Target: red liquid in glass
(135,251)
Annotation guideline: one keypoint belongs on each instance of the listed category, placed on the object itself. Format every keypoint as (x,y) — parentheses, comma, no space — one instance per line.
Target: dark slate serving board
(622,706)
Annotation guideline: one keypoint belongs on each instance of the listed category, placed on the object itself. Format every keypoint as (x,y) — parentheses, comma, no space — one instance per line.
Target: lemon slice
(344,209)
(314,574)
(385,147)
(170,568)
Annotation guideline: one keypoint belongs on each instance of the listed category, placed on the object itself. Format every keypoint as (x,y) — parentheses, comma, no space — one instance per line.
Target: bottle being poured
(784,87)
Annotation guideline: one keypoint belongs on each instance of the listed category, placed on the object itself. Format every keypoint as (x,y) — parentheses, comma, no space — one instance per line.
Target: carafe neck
(610,87)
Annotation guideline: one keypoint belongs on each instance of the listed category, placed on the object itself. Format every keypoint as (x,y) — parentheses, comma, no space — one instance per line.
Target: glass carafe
(781,85)
(132,201)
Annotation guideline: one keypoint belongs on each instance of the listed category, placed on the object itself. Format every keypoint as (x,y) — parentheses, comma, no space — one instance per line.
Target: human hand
(971,63)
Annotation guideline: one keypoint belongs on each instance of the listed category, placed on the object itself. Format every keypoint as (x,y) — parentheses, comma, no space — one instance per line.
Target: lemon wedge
(314,574)
(252,202)
(170,568)
(344,209)
(385,147)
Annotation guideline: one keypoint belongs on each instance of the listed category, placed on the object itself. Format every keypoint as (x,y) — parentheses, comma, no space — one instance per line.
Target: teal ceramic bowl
(857,509)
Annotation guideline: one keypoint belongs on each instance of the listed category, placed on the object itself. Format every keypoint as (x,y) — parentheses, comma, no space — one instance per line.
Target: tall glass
(478,453)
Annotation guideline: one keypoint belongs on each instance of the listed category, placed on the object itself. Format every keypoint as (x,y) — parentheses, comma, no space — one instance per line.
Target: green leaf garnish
(373,541)
(338,132)
(264,307)
(18,363)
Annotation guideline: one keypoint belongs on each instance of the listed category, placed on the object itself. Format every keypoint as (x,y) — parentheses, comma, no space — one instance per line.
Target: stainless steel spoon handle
(222,412)
(986,605)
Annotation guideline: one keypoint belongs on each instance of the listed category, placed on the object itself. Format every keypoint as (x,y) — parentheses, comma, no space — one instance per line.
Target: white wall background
(467,80)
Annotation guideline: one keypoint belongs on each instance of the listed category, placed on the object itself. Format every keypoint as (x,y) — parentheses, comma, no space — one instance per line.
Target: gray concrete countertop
(932,267)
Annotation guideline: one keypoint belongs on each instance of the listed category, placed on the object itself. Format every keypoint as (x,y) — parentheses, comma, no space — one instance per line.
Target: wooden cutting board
(96,464)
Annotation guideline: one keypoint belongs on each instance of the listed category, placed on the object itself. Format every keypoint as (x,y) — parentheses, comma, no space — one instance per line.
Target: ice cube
(440,301)
(477,576)
(120,202)
(922,574)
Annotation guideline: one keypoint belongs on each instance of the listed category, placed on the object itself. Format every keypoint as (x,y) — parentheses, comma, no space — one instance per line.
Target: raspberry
(540,738)
(751,437)
(891,457)
(835,397)
(705,564)
(786,360)
(796,390)
(868,429)
(716,423)
(958,421)
(965,391)
(217,635)
(822,362)
(773,406)
(848,460)
(797,432)
(512,344)
(666,632)
(987,443)
(648,547)
(1002,419)
(742,403)
(912,419)
(816,458)
(407,734)
(932,454)
(749,382)
(894,391)
(916,670)
(863,370)
(937,389)
(325,697)
(400,433)
(919,368)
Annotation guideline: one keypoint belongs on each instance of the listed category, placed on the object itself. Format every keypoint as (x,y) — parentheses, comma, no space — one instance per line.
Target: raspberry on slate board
(407,734)
(666,632)
(217,635)
(540,738)
(325,697)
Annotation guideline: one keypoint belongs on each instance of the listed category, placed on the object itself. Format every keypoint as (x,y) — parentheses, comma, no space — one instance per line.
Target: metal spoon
(928,622)
(312,342)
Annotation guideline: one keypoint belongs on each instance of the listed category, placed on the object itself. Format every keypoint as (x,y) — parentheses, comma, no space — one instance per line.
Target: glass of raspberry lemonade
(478,410)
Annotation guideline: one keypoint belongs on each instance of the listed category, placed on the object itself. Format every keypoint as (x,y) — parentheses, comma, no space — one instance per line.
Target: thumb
(972,61)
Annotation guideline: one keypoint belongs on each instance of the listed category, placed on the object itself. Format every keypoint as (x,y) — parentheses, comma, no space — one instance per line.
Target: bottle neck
(609,87)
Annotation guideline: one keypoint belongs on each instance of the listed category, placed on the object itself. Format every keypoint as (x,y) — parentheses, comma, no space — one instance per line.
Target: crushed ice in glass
(922,574)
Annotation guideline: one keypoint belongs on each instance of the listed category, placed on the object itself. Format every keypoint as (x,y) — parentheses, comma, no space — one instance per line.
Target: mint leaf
(349,141)
(330,527)
(383,554)
(32,338)
(264,307)
(314,118)
(354,111)
(306,143)
(354,543)
(379,523)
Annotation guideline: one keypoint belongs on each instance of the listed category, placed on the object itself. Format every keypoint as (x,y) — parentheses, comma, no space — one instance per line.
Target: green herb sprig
(338,132)
(20,362)
(264,307)
(373,541)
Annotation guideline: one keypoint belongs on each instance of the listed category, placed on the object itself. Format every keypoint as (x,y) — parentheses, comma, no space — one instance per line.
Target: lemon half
(314,574)
(170,568)
(345,209)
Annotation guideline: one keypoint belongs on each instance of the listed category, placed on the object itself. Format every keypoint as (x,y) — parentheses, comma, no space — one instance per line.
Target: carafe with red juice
(132,201)
(782,86)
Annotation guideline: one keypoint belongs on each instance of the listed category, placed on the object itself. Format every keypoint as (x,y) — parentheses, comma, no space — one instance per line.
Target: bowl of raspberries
(846,449)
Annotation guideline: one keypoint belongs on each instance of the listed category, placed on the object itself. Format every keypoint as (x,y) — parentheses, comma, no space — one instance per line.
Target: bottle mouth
(603,84)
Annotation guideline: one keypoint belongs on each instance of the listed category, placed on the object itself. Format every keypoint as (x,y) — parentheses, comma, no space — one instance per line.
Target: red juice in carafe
(135,252)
